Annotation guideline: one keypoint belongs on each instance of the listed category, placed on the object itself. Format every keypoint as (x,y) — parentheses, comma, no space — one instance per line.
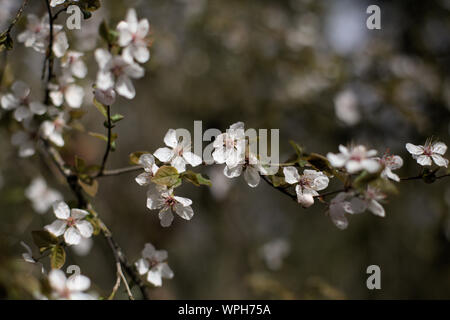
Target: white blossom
(105,96)
(389,163)
(355,159)
(152,264)
(69,288)
(132,36)
(72,61)
(346,107)
(338,207)
(66,90)
(53,129)
(369,201)
(115,72)
(147,161)
(159,197)
(229,147)
(274,252)
(177,153)
(251,168)
(425,155)
(19,101)
(41,196)
(71,223)
(37,36)
(307,184)
(25,142)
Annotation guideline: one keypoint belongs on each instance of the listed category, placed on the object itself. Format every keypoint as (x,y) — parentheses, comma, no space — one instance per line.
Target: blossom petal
(143,179)
(191,158)
(61,210)
(165,217)
(232,172)
(291,175)
(166,272)
(336,160)
(141,54)
(424,160)
(413,149)
(78,283)
(72,236)
(439,148)
(57,280)
(20,89)
(74,96)
(57,227)
(376,208)
(148,251)
(154,277)
(142,266)
(251,175)
(78,214)
(9,102)
(179,163)
(164,154)
(184,212)
(370,165)
(38,108)
(125,88)
(85,228)
(440,160)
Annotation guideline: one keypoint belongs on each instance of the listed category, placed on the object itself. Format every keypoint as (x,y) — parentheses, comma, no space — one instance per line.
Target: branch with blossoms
(41,126)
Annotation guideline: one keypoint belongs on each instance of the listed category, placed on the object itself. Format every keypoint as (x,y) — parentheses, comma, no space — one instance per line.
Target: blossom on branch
(67,91)
(69,288)
(229,147)
(147,161)
(427,154)
(389,163)
(152,264)
(354,159)
(71,223)
(53,129)
(132,36)
(72,62)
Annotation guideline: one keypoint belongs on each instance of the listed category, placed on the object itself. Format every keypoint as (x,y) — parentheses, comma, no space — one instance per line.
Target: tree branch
(17,17)
(49,55)
(108,143)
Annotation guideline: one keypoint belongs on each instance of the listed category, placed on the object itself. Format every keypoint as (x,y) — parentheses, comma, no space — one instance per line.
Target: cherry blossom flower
(230,146)
(251,168)
(337,209)
(355,159)
(54,3)
(25,142)
(178,154)
(308,184)
(72,61)
(28,256)
(115,72)
(274,252)
(53,129)
(152,264)
(41,196)
(19,101)
(424,155)
(66,90)
(37,36)
(105,96)
(389,163)
(132,36)
(69,288)
(159,197)
(369,201)
(147,161)
(71,223)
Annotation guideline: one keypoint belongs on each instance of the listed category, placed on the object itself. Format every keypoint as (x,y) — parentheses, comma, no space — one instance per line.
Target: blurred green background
(311,69)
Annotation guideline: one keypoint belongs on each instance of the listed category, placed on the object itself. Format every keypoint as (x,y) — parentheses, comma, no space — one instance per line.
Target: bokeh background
(311,69)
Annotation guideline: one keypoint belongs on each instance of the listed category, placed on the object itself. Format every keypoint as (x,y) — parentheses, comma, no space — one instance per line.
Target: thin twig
(117,172)
(49,55)
(108,142)
(120,278)
(17,17)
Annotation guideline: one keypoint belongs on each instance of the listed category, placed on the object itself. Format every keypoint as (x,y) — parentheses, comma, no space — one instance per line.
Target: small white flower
(69,288)
(338,207)
(178,154)
(132,36)
(66,90)
(230,146)
(71,223)
(19,101)
(25,142)
(274,252)
(424,155)
(28,256)
(54,3)
(72,61)
(354,159)
(251,168)
(115,72)
(308,184)
(105,96)
(346,107)
(37,36)
(159,197)
(369,202)
(390,162)
(53,129)
(152,263)
(147,161)
(41,196)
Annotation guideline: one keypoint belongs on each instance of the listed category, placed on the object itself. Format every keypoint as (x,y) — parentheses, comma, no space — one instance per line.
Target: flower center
(70,222)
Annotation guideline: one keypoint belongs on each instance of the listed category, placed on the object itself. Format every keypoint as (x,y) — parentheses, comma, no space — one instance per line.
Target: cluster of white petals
(153,265)
(71,288)
(41,196)
(19,101)
(53,129)
(66,90)
(430,152)
(355,159)
(307,184)
(389,163)
(71,223)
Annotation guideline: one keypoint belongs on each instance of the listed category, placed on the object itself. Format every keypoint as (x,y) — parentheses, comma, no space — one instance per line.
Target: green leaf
(297,148)
(134,157)
(116,117)
(99,136)
(196,178)
(166,176)
(364,179)
(320,163)
(278,181)
(101,107)
(43,238)
(57,257)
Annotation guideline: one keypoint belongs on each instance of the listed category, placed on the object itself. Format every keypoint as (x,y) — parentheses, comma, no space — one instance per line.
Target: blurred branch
(117,172)
(17,17)
(49,55)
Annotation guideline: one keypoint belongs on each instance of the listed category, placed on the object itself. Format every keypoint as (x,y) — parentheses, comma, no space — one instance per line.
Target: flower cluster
(152,265)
